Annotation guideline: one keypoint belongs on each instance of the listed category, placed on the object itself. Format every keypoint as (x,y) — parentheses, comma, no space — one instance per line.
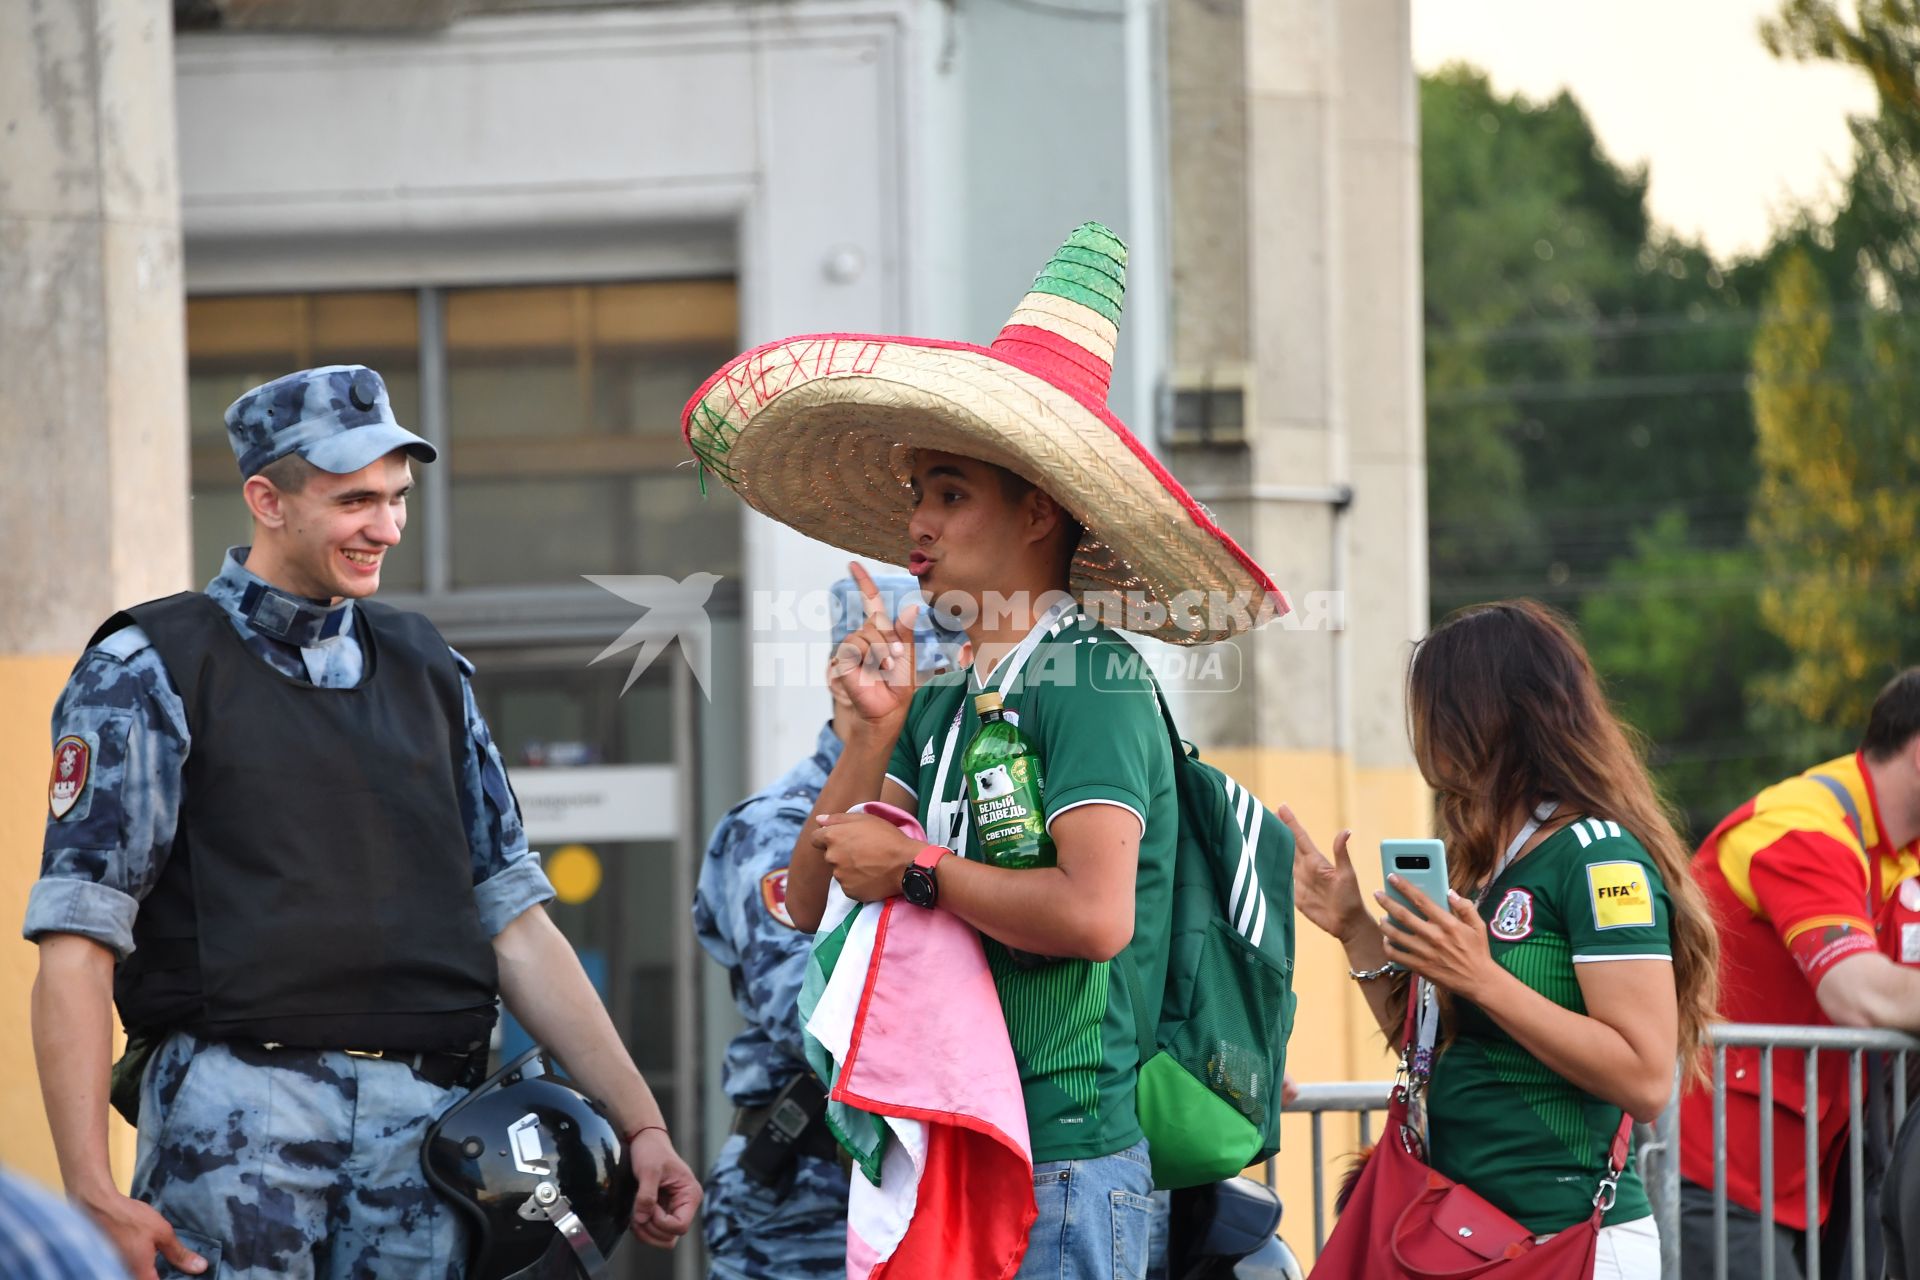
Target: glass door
(604,781)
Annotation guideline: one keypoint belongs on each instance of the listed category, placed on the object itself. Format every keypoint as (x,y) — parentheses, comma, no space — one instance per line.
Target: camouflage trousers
(294,1163)
(794,1232)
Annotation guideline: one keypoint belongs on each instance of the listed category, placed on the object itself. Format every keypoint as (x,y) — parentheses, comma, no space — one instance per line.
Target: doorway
(606,785)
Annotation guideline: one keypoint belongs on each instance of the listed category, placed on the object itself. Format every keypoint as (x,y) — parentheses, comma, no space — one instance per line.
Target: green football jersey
(1517,1133)
(1088,704)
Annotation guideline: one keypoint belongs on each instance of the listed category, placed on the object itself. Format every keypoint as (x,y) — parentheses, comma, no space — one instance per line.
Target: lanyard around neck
(1428,1027)
(1546,810)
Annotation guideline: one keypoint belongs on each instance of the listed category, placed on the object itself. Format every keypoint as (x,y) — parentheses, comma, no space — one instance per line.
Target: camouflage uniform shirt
(104,853)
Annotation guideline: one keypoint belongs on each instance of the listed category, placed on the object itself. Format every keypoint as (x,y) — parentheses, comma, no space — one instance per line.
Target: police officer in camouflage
(280,839)
(777,1209)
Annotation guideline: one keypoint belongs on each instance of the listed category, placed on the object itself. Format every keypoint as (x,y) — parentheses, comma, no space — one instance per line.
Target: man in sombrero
(1032,518)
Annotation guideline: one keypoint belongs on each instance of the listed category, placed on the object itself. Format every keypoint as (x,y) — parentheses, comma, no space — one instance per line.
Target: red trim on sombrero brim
(1099,410)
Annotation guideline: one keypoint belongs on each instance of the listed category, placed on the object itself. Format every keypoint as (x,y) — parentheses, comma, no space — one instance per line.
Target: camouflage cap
(337,417)
(935,647)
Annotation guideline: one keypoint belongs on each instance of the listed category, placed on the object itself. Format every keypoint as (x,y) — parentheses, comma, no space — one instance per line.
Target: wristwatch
(917,882)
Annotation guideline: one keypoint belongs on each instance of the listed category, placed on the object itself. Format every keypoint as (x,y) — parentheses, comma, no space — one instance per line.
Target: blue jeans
(1096,1218)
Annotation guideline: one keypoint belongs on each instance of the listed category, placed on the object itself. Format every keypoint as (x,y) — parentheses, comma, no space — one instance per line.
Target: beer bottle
(1007,787)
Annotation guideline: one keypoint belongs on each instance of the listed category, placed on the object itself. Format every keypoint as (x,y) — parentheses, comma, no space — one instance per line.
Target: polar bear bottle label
(1007,788)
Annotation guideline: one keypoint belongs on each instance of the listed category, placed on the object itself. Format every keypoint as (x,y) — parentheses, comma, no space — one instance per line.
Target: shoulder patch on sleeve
(72,770)
(773,894)
(1620,895)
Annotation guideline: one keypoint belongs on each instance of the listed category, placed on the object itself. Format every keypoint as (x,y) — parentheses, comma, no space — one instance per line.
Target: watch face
(918,886)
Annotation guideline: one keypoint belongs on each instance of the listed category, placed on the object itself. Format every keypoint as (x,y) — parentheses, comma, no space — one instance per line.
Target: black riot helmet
(1226,1231)
(539,1171)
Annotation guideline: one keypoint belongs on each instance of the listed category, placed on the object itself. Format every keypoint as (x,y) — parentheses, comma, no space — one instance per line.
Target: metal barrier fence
(1657,1145)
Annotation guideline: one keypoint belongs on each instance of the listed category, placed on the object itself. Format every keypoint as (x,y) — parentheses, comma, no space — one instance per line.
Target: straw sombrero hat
(818,432)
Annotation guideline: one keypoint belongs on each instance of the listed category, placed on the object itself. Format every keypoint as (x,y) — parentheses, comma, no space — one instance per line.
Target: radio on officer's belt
(774,1147)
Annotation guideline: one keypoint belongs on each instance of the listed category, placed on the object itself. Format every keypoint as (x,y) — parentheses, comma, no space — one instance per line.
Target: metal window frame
(563,617)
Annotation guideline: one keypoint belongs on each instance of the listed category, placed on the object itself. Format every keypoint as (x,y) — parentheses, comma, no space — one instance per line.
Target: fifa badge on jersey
(1622,899)
(773,893)
(1513,918)
(72,766)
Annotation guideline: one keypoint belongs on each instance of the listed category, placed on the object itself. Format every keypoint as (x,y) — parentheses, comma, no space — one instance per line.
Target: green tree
(1835,388)
(1523,223)
(1676,633)
(1836,516)
(1582,375)
(1589,435)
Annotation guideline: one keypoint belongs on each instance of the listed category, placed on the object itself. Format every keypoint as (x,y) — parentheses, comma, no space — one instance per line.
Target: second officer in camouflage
(782,1217)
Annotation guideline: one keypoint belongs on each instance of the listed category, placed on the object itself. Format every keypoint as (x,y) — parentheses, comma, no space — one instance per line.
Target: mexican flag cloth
(903,1023)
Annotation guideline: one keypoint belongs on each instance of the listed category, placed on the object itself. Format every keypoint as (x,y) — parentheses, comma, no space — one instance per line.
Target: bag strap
(1146,1025)
(1616,1165)
(1146,1022)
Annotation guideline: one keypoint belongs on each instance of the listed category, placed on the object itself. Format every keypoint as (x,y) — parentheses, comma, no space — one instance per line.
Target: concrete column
(1328,488)
(93,442)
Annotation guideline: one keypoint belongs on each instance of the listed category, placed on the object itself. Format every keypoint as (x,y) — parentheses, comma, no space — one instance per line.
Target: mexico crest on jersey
(773,892)
(72,764)
(1513,918)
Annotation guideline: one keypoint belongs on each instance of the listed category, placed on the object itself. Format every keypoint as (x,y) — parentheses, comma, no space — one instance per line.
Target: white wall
(569,146)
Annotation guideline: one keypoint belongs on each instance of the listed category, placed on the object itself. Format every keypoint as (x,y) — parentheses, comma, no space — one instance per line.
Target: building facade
(545,224)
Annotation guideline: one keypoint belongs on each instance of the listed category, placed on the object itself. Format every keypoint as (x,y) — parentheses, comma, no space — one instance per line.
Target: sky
(1732,137)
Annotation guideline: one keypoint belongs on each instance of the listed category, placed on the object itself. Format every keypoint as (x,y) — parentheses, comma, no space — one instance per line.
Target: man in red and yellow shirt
(1819,926)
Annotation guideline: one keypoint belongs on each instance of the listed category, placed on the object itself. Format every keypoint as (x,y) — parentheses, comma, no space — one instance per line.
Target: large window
(556,409)
(235,344)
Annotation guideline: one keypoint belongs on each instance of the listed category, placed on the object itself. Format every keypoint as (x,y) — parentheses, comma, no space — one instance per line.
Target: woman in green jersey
(1574,957)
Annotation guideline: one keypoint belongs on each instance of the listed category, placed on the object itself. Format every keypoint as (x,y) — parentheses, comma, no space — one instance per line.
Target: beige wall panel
(28,687)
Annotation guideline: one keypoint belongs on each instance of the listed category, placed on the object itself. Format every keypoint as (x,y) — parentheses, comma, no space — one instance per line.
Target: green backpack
(1213,1060)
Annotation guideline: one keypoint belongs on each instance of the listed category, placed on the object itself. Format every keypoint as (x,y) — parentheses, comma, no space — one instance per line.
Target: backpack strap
(1173,730)
(1146,1021)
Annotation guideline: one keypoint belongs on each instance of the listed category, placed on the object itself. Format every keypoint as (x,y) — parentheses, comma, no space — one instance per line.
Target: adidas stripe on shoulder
(1590,831)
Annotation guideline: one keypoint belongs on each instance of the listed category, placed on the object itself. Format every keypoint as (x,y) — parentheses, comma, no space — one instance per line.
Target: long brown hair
(1506,712)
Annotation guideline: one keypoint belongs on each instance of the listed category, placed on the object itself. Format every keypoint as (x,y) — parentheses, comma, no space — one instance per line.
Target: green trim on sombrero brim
(710,435)
(1092,289)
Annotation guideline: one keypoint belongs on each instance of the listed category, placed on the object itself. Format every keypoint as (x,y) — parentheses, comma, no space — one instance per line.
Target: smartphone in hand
(1421,863)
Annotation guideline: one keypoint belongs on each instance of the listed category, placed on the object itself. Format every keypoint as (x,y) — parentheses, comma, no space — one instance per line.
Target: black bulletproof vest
(319,891)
